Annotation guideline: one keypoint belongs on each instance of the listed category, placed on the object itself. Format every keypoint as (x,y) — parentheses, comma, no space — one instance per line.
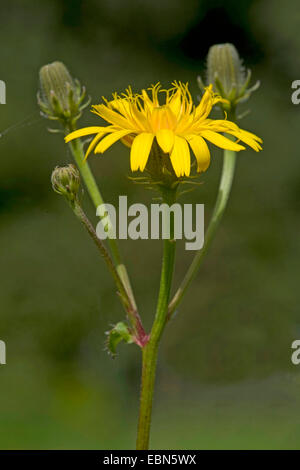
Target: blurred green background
(225,378)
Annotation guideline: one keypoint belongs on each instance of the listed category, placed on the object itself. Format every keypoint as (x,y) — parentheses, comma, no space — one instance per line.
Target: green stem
(222,199)
(125,298)
(146,396)
(93,190)
(151,348)
(78,211)
(76,147)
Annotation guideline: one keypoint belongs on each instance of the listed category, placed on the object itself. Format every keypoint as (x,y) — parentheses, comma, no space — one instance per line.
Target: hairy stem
(76,147)
(130,307)
(151,349)
(221,203)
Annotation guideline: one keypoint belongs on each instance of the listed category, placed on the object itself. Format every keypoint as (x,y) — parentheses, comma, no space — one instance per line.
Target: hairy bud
(60,96)
(66,181)
(226,72)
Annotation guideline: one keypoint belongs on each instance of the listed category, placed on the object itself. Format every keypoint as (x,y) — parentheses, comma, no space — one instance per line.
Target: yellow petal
(220,141)
(180,157)
(140,150)
(127,140)
(139,120)
(147,100)
(206,103)
(110,140)
(201,151)
(129,111)
(110,116)
(251,135)
(165,139)
(121,105)
(175,103)
(93,144)
(85,131)
(163,118)
(221,125)
(231,128)
(248,139)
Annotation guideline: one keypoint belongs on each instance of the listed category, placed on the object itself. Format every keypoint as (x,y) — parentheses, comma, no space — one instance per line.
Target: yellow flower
(177,125)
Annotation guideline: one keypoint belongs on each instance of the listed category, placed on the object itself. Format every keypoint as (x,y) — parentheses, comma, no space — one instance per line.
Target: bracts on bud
(60,97)
(230,79)
(66,181)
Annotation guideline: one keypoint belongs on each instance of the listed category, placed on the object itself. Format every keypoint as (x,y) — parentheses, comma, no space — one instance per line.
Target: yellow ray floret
(170,117)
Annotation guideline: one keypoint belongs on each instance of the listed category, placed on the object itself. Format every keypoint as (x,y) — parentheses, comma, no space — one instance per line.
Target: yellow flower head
(176,124)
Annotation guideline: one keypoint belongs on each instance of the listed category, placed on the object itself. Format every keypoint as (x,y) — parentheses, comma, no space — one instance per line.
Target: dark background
(225,378)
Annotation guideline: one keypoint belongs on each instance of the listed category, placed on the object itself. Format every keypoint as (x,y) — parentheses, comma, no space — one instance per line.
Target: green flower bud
(60,96)
(226,72)
(66,181)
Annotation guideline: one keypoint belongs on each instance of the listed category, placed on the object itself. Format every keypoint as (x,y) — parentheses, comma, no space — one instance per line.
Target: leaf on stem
(120,332)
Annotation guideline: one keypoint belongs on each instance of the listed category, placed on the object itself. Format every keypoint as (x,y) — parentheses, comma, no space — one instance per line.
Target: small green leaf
(120,332)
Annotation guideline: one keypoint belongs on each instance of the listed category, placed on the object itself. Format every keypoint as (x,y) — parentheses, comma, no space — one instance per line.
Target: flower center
(162,117)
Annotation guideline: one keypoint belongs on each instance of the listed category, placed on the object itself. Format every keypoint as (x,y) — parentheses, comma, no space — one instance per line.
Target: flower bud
(60,96)
(66,181)
(226,72)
